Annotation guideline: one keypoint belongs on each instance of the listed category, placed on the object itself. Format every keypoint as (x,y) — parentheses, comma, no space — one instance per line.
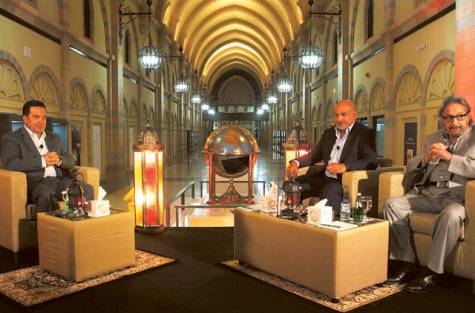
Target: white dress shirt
(338,148)
(42,149)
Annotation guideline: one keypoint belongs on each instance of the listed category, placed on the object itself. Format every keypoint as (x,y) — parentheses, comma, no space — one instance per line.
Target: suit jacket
(461,166)
(19,153)
(358,153)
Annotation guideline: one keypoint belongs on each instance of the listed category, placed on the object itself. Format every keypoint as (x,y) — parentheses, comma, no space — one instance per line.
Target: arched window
(127,47)
(370,18)
(87,19)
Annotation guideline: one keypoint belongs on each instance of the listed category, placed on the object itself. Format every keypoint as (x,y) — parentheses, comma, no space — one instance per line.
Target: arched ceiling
(234,35)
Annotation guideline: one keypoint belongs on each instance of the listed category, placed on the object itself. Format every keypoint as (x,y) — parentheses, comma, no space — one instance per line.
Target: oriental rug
(34,285)
(349,302)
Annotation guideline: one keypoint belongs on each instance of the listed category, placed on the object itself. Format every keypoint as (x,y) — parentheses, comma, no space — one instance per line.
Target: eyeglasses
(459,117)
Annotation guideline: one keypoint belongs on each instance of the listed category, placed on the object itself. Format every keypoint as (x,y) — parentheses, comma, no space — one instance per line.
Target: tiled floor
(269,168)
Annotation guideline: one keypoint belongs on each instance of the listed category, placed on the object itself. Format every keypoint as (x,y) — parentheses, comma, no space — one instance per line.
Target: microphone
(338,147)
(41,146)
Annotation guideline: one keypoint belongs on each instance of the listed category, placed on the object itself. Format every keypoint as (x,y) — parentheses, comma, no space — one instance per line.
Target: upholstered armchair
(16,232)
(366,182)
(461,261)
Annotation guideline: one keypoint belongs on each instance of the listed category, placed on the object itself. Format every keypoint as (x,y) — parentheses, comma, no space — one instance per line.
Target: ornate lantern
(297,144)
(75,198)
(148,180)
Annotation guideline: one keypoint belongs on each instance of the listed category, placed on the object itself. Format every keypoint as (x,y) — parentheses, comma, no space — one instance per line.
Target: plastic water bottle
(345,208)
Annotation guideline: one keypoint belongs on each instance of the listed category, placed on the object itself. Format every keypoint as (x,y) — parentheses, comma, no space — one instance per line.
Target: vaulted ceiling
(221,36)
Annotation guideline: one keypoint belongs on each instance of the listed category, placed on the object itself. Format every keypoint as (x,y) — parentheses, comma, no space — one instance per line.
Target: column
(465,51)
(344,59)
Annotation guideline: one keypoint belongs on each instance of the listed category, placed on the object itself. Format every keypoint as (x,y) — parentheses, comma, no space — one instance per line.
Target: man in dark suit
(40,155)
(346,146)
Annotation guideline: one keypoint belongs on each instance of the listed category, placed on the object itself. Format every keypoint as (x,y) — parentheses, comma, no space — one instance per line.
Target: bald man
(347,146)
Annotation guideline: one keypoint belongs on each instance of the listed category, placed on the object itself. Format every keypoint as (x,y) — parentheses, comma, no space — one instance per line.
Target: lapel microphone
(41,146)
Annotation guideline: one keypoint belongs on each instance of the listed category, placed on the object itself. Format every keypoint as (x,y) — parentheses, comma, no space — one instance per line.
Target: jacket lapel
(49,142)
(29,142)
(348,143)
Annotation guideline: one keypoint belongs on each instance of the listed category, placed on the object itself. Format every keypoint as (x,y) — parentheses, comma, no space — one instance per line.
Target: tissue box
(98,208)
(319,215)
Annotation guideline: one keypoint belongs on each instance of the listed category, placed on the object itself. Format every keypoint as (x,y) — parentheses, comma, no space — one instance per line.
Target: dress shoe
(400,277)
(422,283)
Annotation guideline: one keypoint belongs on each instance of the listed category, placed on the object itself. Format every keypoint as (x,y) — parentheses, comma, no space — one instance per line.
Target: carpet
(350,302)
(34,285)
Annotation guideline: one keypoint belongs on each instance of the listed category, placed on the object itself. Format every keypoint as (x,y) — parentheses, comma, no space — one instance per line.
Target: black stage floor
(198,283)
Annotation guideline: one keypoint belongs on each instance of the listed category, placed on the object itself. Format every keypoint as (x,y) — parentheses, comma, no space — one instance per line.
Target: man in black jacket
(346,146)
(40,155)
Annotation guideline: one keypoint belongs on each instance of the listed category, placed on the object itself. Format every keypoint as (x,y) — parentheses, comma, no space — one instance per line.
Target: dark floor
(198,283)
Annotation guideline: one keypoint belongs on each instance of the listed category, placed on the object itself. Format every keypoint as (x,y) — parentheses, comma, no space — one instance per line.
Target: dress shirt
(40,144)
(338,148)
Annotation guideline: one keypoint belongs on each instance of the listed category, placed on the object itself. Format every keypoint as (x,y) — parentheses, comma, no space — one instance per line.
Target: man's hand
(52,159)
(336,168)
(292,169)
(437,151)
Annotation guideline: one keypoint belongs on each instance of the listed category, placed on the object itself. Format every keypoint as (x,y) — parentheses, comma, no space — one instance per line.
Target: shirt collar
(347,130)
(33,135)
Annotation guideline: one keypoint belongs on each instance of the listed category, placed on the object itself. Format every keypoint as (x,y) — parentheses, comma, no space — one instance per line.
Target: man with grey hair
(447,163)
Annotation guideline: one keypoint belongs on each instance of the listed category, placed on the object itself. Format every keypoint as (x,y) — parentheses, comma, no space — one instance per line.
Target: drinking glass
(367,203)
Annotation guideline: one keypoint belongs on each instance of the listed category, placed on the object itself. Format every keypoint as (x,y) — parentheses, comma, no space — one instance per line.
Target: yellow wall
(76,20)
(90,72)
(49,11)
(39,45)
(131,91)
(405,50)
(98,26)
(403,10)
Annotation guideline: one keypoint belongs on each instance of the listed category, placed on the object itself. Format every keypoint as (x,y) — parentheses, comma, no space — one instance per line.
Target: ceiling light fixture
(284,84)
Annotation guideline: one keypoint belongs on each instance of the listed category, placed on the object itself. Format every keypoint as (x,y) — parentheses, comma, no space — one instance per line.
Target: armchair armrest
(366,182)
(390,185)
(91,176)
(13,193)
(469,230)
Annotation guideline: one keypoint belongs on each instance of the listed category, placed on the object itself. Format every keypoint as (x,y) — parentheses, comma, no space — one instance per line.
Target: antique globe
(231,152)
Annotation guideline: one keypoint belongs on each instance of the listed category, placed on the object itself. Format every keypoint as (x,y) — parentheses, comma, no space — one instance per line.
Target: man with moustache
(347,146)
(39,154)
(448,162)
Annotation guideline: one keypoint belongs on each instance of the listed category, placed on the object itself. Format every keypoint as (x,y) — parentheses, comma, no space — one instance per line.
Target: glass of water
(367,204)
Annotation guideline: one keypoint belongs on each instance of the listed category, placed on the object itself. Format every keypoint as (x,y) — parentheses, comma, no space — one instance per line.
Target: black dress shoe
(422,283)
(400,277)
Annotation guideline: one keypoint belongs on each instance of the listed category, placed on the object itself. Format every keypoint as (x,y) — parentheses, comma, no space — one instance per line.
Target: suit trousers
(324,187)
(445,230)
(46,193)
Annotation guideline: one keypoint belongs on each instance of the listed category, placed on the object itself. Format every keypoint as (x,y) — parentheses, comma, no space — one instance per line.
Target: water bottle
(358,215)
(345,208)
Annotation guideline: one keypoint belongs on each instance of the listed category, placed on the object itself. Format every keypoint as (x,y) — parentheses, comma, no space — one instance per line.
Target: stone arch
(376,97)
(79,97)
(439,81)
(98,100)
(408,87)
(43,85)
(361,100)
(133,111)
(126,108)
(354,15)
(12,78)
(144,112)
(105,19)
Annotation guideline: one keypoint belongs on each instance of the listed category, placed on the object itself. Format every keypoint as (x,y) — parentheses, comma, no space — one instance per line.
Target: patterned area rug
(33,285)
(350,302)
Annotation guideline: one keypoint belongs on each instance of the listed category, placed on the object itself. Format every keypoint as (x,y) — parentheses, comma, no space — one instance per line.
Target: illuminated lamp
(297,145)
(148,182)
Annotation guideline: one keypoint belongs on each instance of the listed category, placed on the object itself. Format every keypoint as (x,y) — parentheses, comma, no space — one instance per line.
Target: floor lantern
(148,181)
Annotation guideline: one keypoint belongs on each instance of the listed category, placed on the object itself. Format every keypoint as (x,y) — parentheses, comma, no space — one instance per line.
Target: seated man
(446,164)
(40,155)
(346,146)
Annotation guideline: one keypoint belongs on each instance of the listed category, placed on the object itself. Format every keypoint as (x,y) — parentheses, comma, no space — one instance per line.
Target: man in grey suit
(445,165)
(40,155)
